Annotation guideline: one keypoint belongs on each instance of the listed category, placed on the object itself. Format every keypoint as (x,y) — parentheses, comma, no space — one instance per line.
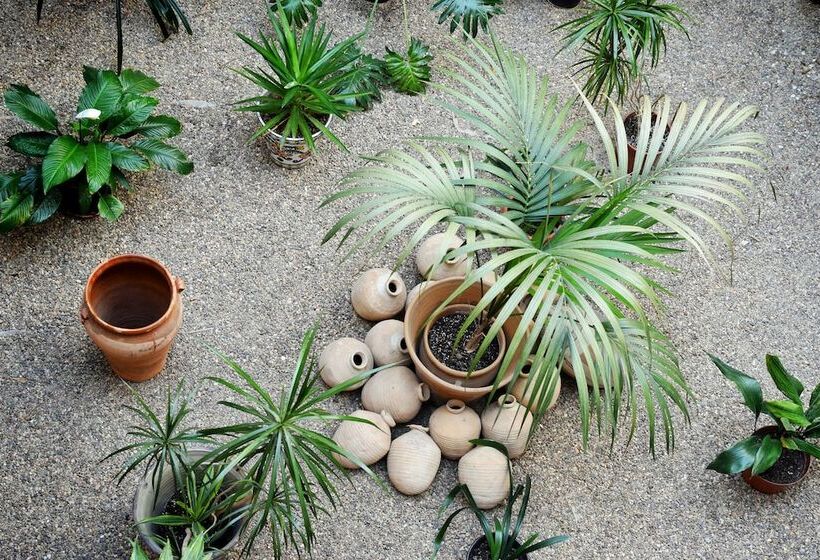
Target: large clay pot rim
(449,310)
(278,136)
(173,286)
(768,430)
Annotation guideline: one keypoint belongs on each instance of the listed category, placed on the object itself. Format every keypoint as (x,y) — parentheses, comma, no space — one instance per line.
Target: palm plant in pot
(774,458)
(572,243)
(273,468)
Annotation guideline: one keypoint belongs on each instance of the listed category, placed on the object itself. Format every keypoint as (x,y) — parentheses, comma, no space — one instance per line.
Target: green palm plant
(298,12)
(467,15)
(575,249)
(616,38)
(193,549)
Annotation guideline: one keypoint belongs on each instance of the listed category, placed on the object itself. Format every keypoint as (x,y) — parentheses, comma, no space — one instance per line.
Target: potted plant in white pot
(572,243)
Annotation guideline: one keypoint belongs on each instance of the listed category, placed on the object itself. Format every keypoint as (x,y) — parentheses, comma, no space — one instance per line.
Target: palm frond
(467,15)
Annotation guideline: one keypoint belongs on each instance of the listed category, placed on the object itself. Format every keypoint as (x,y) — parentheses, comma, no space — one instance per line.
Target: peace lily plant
(573,242)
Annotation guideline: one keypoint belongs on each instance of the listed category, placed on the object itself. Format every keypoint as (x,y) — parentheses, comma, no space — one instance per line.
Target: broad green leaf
(97,165)
(15,211)
(163,155)
(64,160)
(748,386)
(31,182)
(807,447)
(8,184)
(27,105)
(768,453)
(787,410)
(126,159)
(737,458)
(787,383)
(32,144)
(110,207)
(47,207)
(813,411)
(135,82)
(132,115)
(160,126)
(102,92)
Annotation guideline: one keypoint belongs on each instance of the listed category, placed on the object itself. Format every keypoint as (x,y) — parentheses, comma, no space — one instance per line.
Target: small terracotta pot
(343,359)
(430,255)
(414,322)
(452,426)
(413,461)
(378,294)
(294,152)
(508,423)
(368,442)
(525,394)
(631,149)
(485,471)
(386,342)
(766,486)
(480,542)
(145,505)
(396,390)
(132,312)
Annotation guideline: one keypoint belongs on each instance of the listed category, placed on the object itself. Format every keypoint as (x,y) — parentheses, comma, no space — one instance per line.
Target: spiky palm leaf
(409,73)
(364,80)
(467,15)
(298,12)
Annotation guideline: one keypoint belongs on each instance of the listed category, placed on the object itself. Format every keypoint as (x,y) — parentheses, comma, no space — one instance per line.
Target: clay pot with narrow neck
(291,153)
(485,472)
(452,426)
(367,441)
(132,311)
(760,483)
(344,359)
(430,260)
(416,318)
(386,342)
(396,390)
(413,461)
(509,423)
(524,388)
(378,294)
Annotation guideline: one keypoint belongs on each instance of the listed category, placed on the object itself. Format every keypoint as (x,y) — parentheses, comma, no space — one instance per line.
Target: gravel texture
(245,236)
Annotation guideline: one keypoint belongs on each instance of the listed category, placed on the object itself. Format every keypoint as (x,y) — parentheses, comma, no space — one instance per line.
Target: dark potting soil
(177,533)
(787,469)
(481,551)
(632,124)
(442,335)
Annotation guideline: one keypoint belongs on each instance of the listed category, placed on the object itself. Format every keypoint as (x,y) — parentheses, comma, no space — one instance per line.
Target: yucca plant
(467,15)
(193,549)
(575,245)
(616,38)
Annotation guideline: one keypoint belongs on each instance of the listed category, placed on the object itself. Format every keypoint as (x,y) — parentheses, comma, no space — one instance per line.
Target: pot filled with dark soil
(632,124)
(481,551)
(290,153)
(72,205)
(565,3)
(786,473)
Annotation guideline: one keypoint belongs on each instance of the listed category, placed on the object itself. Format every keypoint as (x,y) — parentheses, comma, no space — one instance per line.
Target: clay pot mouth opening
(130,293)
(358,360)
(403,345)
(392,287)
(526,369)
(456,406)
(506,401)
(424,392)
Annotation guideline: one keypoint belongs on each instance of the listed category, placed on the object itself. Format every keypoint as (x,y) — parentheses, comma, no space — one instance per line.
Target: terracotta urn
(291,153)
(369,442)
(378,294)
(386,342)
(396,390)
(413,461)
(509,423)
(485,471)
(132,311)
(344,359)
(430,260)
(414,293)
(525,393)
(415,320)
(452,426)
(761,484)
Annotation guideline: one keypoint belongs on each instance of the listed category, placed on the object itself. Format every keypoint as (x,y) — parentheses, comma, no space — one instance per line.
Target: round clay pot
(565,3)
(378,294)
(344,359)
(479,550)
(132,312)
(415,320)
(293,153)
(151,500)
(452,426)
(430,255)
(478,378)
(396,390)
(509,423)
(524,393)
(413,461)
(485,471)
(386,342)
(368,442)
(766,486)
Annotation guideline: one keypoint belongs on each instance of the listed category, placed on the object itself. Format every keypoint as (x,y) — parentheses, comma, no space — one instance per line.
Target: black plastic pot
(482,540)
(565,3)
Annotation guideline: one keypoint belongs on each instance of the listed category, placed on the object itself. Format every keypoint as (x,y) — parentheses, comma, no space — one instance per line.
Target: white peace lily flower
(93,114)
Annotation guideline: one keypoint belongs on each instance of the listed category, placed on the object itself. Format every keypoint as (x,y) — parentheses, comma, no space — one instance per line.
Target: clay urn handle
(388,419)
(423,429)
(506,401)
(179,283)
(84,313)
(423,391)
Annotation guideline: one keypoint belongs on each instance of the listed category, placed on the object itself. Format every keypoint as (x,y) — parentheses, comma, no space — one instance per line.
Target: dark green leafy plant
(365,80)
(298,12)
(409,73)
(795,422)
(467,15)
(305,80)
(502,534)
(616,38)
(113,133)
(167,13)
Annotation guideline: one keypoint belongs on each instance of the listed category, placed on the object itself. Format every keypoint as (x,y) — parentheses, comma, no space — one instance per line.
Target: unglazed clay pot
(430,253)
(509,423)
(414,293)
(413,461)
(415,320)
(368,442)
(293,153)
(485,471)
(396,390)
(525,393)
(386,343)
(378,294)
(132,311)
(452,426)
(344,359)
